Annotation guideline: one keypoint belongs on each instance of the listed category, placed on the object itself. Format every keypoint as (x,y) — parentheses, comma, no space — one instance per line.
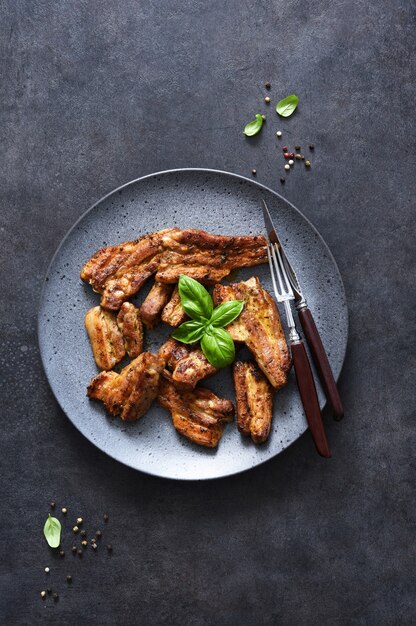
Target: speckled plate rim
(124,186)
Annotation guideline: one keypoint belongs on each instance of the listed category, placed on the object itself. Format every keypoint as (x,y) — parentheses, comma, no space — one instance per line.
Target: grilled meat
(130,324)
(118,272)
(259,327)
(187,364)
(198,415)
(130,393)
(173,313)
(254,401)
(154,303)
(205,257)
(105,337)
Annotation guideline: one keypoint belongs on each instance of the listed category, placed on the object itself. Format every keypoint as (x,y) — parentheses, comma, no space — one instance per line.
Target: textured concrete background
(96,93)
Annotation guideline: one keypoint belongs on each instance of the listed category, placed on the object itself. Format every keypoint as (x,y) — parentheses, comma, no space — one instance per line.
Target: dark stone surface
(96,93)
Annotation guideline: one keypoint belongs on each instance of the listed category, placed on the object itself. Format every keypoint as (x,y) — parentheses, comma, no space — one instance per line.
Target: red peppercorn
(285,148)
(286,155)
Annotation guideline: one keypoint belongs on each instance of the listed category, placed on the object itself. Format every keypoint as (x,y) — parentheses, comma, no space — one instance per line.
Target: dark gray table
(96,93)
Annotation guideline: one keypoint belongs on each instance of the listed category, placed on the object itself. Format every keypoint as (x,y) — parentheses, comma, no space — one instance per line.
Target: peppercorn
(69,578)
(64,510)
(93,540)
(43,594)
(286,155)
(84,543)
(287,166)
(79,551)
(282,180)
(267,100)
(62,553)
(311,146)
(254,172)
(298,156)
(307,163)
(267,85)
(105,516)
(291,162)
(47,570)
(75,529)
(285,148)
(297,147)
(94,546)
(264,117)
(83,533)
(279,133)
(52,504)
(74,549)
(56,597)
(98,534)
(109,547)
(79,520)
(302,156)
(49,591)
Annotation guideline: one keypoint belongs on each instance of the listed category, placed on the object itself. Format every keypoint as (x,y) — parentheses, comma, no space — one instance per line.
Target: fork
(304,377)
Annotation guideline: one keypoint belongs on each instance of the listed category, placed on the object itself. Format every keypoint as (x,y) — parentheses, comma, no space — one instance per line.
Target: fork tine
(283,269)
(278,272)
(276,291)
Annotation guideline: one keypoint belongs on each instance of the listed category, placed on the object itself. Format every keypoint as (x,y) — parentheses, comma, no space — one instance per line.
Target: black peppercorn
(52,504)
(109,547)
(105,517)
(69,578)
(297,147)
(56,596)
(267,85)
(79,552)
(74,549)
(98,534)
(282,180)
(49,591)
(83,533)
(311,146)
(254,172)
(62,553)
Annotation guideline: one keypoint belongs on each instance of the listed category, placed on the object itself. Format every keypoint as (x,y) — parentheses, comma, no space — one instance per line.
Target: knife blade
(310,330)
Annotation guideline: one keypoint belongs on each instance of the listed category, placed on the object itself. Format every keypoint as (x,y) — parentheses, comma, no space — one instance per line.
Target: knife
(310,330)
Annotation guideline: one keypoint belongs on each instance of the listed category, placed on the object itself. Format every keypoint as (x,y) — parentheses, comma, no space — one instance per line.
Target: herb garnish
(52,531)
(206,323)
(286,106)
(254,127)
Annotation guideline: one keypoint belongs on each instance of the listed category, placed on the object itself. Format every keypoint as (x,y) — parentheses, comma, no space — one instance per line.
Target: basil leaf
(254,127)
(52,531)
(195,299)
(226,313)
(286,106)
(189,332)
(218,347)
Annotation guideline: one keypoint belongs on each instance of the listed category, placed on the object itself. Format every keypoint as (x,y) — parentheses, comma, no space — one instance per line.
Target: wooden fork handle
(321,362)
(309,397)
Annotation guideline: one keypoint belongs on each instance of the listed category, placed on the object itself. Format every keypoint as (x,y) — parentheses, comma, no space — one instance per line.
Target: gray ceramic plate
(218,202)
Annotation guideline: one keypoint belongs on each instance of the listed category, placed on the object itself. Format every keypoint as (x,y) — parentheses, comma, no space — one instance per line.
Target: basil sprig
(286,106)
(52,531)
(207,323)
(254,127)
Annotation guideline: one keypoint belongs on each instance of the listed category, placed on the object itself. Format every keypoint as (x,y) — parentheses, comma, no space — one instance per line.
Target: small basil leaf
(195,299)
(52,531)
(286,106)
(226,313)
(189,332)
(254,127)
(218,347)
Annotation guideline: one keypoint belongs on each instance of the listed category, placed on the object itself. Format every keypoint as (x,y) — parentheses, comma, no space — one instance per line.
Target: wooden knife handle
(309,397)
(321,362)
